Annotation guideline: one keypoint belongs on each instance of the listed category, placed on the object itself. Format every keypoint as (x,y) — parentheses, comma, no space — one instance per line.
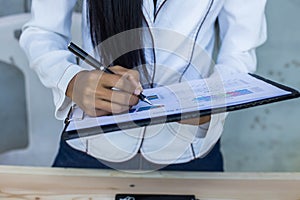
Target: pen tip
(147,101)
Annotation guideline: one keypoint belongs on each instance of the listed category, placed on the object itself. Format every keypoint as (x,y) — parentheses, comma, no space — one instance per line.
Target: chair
(32,121)
(13,109)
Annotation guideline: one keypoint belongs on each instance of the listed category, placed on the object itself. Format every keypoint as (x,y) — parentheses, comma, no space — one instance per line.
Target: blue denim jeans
(71,158)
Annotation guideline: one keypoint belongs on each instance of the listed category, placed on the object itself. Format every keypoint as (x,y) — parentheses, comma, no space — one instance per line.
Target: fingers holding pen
(117,97)
(130,75)
(117,82)
(95,88)
(118,90)
(99,93)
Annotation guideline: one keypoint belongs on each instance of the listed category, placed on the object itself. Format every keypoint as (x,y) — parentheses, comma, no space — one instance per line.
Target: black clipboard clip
(69,115)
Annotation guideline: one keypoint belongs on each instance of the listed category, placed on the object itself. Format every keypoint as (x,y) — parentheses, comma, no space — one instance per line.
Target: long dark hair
(110,17)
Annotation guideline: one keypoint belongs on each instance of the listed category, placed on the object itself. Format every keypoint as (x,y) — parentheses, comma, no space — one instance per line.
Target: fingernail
(137,92)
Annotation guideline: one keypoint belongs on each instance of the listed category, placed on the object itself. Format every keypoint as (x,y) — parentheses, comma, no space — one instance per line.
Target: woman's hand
(99,93)
(196,121)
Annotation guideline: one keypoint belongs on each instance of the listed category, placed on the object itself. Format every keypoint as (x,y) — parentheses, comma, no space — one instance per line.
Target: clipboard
(281,93)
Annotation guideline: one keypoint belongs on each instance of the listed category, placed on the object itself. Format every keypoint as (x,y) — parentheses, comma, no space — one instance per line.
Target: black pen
(96,64)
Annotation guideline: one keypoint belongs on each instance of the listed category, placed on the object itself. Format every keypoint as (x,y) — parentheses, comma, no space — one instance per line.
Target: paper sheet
(186,97)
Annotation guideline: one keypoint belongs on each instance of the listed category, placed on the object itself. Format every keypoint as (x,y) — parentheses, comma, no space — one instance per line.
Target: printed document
(195,95)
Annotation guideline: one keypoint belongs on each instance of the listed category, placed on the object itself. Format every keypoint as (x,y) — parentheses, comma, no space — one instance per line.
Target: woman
(147,44)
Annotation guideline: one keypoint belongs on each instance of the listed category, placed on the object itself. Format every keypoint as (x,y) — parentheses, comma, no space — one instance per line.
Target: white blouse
(183,34)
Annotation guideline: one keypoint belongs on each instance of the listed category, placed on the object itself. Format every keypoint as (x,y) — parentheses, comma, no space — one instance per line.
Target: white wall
(267,138)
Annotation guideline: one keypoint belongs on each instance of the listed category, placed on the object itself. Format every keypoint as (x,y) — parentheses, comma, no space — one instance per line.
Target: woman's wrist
(70,88)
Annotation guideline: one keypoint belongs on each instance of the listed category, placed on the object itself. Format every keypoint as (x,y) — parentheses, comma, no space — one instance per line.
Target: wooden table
(79,184)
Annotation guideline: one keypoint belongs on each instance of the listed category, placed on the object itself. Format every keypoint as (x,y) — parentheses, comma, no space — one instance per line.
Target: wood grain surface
(31,183)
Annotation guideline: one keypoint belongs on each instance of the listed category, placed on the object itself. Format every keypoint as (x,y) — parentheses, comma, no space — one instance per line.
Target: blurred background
(262,139)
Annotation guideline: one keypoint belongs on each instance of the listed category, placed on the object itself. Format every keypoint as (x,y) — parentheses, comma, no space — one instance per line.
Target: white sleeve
(242,28)
(44,39)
